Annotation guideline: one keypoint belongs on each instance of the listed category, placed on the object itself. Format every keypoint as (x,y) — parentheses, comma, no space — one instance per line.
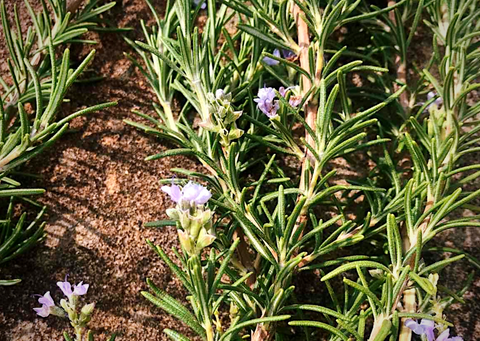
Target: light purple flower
(445,336)
(78,290)
(438,102)
(191,192)
(266,102)
(271,61)
(283,91)
(289,55)
(294,100)
(66,288)
(196,193)
(203,6)
(174,192)
(47,302)
(425,327)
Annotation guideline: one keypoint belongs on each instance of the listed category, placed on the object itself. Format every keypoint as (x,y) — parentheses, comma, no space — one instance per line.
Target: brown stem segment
(401,67)
(310,107)
(262,331)
(306,84)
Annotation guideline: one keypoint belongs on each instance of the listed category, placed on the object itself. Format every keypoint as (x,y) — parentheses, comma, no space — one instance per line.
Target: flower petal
(66,288)
(429,327)
(173,191)
(191,191)
(44,311)
(203,196)
(414,326)
(46,300)
(444,336)
(80,289)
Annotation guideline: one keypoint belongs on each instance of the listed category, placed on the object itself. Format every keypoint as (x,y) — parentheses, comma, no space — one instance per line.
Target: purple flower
(174,192)
(47,303)
(266,102)
(445,336)
(203,6)
(66,288)
(289,55)
(196,193)
(271,61)
(78,290)
(283,91)
(191,192)
(425,327)
(438,102)
(294,100)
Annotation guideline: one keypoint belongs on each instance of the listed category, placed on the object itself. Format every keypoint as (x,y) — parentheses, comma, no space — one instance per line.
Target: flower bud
(204,239)
(195,226)
(184,219)
(65,305)
(173,213)
(185,241)
(87,309)
(57,311)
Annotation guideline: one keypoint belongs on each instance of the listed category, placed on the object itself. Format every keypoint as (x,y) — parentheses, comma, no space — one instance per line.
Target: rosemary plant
(274,90)
(31,98)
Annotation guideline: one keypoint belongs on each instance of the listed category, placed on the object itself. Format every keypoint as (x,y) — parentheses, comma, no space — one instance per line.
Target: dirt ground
(100,191)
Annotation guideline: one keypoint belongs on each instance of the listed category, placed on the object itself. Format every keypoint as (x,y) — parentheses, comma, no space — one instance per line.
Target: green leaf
(262,36)
(171,152)
(318,309)
(424,283)
(242,325)
(435,267)
(425,316)
(7,282)
(171,306)
(175,336)
(353,265)
(319,325)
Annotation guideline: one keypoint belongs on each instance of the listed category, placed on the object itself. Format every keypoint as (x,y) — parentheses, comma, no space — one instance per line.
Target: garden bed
(100,192)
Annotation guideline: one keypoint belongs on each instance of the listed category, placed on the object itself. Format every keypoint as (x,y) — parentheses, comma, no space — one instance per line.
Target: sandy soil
(100,191)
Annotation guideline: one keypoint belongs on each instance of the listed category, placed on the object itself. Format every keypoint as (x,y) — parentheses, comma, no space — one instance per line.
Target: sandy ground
(100,191)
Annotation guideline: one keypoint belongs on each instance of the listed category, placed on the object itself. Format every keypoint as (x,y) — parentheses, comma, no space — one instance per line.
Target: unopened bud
(173,213)
(185,241)
(87,309)
(204,239)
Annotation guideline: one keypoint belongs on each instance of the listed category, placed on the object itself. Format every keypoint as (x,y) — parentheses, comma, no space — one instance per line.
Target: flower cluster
(68,308)
(48,305)
(193,218)
(222,117)
(267,103)
(190,195)
(426,328)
